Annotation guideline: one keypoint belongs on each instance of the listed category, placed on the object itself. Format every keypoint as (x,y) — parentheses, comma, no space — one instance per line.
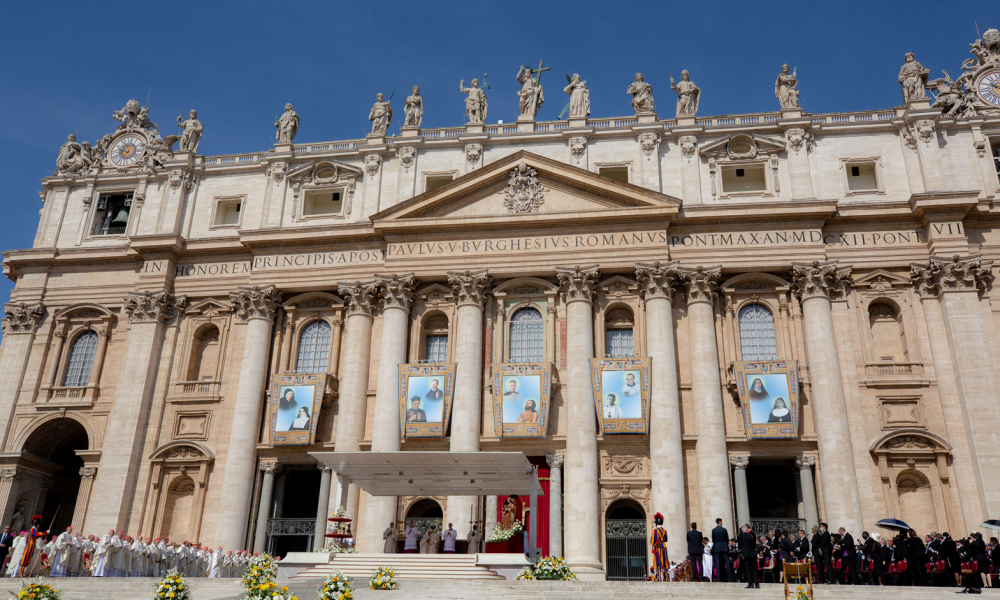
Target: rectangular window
(861,177)
(111,216)
(437,348)
(616,173)
(322,203)
(750,178)
(227,213)
(996,154)
(435,181)
(619,343)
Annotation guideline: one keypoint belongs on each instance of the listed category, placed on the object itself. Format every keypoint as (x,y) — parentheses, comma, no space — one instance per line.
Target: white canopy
(434,473)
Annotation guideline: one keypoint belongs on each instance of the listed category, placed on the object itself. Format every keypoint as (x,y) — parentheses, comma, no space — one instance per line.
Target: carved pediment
(881,281)
(313,301)
(209,308)
(742,147)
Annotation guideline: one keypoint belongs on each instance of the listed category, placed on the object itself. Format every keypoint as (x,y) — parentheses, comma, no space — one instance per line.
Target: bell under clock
(127,150)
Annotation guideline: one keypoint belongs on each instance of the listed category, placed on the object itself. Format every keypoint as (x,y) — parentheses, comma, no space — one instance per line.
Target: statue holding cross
(530,97)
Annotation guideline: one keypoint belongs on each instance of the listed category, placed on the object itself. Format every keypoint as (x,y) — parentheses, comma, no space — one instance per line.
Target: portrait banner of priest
(769,395)
(521,398)
(425,394)
(295,404)
(621,394)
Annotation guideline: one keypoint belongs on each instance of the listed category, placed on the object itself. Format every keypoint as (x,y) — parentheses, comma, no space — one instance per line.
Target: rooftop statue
(191,135)
(688,95)
(530,97)
(380,115)
(414,108)
(134,117)
(785,90)
(642,96)
(72,157)
(288,125)
(579,98)
(475,103)
(913,79)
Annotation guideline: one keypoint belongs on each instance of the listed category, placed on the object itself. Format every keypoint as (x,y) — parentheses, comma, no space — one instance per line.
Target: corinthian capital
(700,283)
(148,306)
(21,317)
(255,302)
(957,274)
(577,283)
(657,280)
(470,286)
(820,279)
(396,291)
(805,462)
(360,296)
(740,462)
(554,460)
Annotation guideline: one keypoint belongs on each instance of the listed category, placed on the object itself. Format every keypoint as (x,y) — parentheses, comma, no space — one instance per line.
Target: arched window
(757,333)
(527,336)
(204,355)
(618,327)
(887,333)
(314,348)
(81,360)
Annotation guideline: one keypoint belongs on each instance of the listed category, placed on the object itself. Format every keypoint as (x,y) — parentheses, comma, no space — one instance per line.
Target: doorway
(774,497)
(625,542)
(294,523)
(56,442)
(425,514)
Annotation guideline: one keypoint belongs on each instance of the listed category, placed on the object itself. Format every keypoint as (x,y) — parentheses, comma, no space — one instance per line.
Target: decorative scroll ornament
(396,291)
(577,146)
(523,193)
(909,442)
(277,171)
(741,147)
(689,144)
(147,306)
(925,129)
(21,317)
(470,286)
(908,138)
(577,283)
(657,280)
(406,155)
(700,283)
(648,141)
(360,296)
(182,452)
(372,164)
(815,279)
(958,274)
(804,462)
(473,152)
(255,302)
(797,138)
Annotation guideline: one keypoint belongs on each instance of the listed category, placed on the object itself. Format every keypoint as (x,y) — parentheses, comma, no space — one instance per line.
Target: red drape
(542,539)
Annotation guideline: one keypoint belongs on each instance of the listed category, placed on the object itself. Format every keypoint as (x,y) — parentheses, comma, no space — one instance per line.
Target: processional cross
(538,86)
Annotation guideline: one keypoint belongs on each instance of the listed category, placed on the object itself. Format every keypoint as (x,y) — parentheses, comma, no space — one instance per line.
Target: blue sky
(67,66)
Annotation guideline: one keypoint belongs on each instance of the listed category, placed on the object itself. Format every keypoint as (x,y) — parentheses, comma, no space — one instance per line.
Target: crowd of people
(34,552)
(836,557)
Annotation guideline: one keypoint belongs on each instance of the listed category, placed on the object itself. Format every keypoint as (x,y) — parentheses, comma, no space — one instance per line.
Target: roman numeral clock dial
(127,150)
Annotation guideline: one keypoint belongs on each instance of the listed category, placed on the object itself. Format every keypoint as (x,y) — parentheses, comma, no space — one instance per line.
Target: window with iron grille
(81,360)
(437,348)
(757,333)
(619,343)
(527,336)
(314,348)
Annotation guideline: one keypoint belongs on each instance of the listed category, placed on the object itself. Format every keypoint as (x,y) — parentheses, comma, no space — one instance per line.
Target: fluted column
(555,504)
(583,515)
(470,288)
(805,464)
(20,322)
(148,312)
(10,483)
(657,284)
(814,284)
(700,285)
(958,283)
(322,506)
(740,487)
(396,292)
(264,508)
(254,305)
(353,400)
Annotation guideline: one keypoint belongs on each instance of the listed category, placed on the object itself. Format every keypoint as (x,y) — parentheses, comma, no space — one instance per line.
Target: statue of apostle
(287,125)
(70,159)
(688,95)
(579,98)
(414,109)
(785,90)
(530,89)
(642,96)
(191,136)
(475,103)
(380,115)
(913,78)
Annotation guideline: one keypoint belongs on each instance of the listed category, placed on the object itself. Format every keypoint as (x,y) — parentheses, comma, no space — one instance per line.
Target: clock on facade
(988,87)
(127,150)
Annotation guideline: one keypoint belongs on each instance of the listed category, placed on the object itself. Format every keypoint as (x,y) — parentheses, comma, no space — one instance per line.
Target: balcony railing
(761,525)
(201,390)
(894,368)
(83,393)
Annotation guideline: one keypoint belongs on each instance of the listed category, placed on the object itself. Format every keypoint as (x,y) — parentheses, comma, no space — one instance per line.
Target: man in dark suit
(949,549)
(746,546)
(720,548)
(850,555)
(801,546)
(695,551)
(826,548)
(817,543)
(6,541)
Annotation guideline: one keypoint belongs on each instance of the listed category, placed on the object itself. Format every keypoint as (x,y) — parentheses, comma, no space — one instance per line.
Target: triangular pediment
(881,279)
(527,187)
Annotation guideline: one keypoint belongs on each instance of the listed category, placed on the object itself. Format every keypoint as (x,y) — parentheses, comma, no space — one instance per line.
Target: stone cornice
(577,283)
(359,296)
(656,279)
(701,284)
(957,274)
(255,302)
(153,307)
(396,291)
(820,279)
(21,317)
(470,287)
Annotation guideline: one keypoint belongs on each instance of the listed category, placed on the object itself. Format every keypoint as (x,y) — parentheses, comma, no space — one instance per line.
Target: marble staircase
(406,566)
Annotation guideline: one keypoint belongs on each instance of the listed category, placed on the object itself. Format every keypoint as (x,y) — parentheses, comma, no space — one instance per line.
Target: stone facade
(162,296)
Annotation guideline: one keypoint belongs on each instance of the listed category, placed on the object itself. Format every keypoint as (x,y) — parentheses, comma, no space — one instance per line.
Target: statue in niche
(642,96)
(913,78)
(414,109)
(579,98)
(380,115)
(191,132)
(475,103)
(530,97)
(785,90)
(288,125)
(688,95)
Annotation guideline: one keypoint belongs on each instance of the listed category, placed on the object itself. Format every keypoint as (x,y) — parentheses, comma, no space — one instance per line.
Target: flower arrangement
(550,568)
(336,587)
(258,579)
(338,547)
(37,590)
(800,593)
(499,534)
(526,573)
(383,578)
(172,587)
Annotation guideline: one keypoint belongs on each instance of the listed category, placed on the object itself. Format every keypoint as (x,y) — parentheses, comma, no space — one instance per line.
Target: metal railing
(625,543)
(760,526)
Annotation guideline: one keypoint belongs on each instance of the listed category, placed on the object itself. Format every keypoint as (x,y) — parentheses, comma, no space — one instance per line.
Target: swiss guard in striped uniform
(659,545)
(31,558)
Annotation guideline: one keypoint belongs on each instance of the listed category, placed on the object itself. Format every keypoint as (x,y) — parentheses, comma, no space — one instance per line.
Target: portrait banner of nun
(521,399)
(769,395)
(425,394)
(621,394)
(294,411)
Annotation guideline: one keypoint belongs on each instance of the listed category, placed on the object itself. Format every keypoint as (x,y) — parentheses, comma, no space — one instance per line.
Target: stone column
(255,306)
(706,395)
(959,281)
(555,504)
(740,486)
(583,514)
(323,506)
(657,284)
(805,464)
(491,516)
(83,497)
(10,483)
(396,292)
(120,461)
(353,401)
(20,322)
(466,415)
(814,284)
(264,508)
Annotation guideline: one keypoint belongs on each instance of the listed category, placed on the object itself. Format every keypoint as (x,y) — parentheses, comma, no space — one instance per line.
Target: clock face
(127,150)
(988,87)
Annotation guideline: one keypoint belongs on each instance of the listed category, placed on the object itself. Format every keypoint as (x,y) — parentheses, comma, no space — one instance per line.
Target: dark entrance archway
(625,543)
(58,485)
(774,496)
(425,514)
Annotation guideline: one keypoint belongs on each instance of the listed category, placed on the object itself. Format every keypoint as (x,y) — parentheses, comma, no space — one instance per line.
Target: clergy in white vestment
(473,541)
(389,535)
(60,553)
(423,543)
(228,564)
(75,558)
(215,567)
(410,539)
(102,555)
(435,542)
(450,535)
